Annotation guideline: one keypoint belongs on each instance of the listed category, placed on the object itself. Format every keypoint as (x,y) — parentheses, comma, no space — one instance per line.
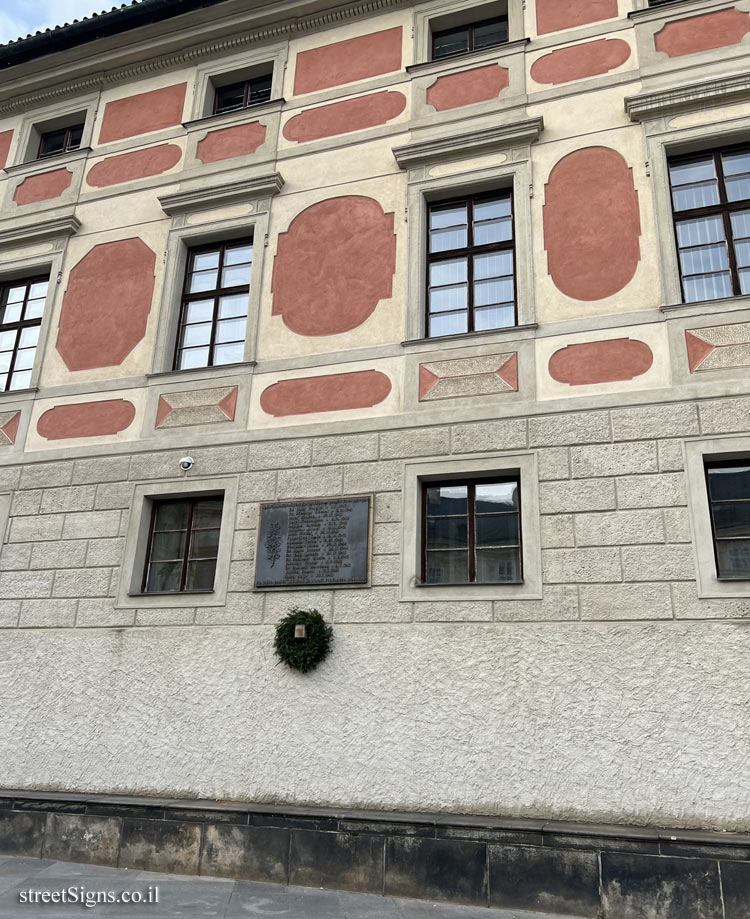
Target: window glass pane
(204,544)
(24,359)
(199,334)
(733,558)
(204,261)
(732,518)
(703,259)
(74,138)
(238,255)
(172,515)
(163,577)
(447,533)
(499,530)
(34,309)
(51,143)
(235,305)
(738,188)
(696,171)
(745,280)
(447,499)
(700,230)
(231,330)
(491,210)
(228,97)
(8,340)
(207,512)
(235,276)
(193,357)
(495,497)
(728,483)
(16,294)
(707,287)
(702,194)
(446,567)
(29,337)
(5,358)
(3,382)
(453,42)
(490,33)
(12,313)
(200,311)
(442,217)
(38,289)
(735,163)
(229,354)
(453,271)
(494,231)
(20,380)
(495,317)
(200,575)
(443,240)
(168,546)
(448,324)
(498,566)
(494,265)
(260,89)
(449,298)
(493,291)
(203,280)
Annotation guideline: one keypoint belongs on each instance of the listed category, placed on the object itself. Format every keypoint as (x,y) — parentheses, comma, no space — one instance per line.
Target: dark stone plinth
(246,852)
(735,879)
(76,838)
(340,861)
(153,845)
(437,869)
(21,833)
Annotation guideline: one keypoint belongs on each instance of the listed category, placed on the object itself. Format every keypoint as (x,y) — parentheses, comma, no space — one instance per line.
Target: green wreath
(303,654)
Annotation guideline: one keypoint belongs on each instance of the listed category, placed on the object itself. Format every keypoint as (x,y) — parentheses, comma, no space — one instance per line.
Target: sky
(23,17)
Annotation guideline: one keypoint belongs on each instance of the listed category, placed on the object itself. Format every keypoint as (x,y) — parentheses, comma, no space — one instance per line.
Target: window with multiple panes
(472,532)
(213,318)
(62,141)
(243,94)
(471,37)
(471,265)
(711,207)
(729,498)
(183,545)
(21,309)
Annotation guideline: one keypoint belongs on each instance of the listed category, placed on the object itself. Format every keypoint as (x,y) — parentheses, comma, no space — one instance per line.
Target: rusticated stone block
(566,566)
(251,853)
(347,448)
(437,869)
(454,611)
(489,436)
(201,406)
(626,601)
(80,838)
(569,497)
(725,416)
(420,442)
(336,860)
(665,490)
(379,604)
(557,532)
(650,422)
(658,563)
(569,428)
(558,604)
(613,459)
(314,482)
(50,614)
(621,528)
(150,845)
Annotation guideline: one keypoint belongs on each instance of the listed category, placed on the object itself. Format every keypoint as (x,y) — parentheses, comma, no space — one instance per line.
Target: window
(711,208)
(472,532)
(183,545)
(471,37)
(213,317)
(729,498)
(243,94)
(470,265)
(21,308)
(66,139)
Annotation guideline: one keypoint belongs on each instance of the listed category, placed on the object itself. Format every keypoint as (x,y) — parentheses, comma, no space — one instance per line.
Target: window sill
(170,593)
(468,57)
(471,338)
(13,394)
(240,114)
(740,302)
(199,373)
(43,164)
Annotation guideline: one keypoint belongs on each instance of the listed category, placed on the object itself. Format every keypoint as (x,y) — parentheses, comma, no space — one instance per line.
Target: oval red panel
(613,361)
(86,419)
(337,392)
(130,166)
(43,186)
(467,87)
(333,266)
(592,225)
(580,61)
(344,117)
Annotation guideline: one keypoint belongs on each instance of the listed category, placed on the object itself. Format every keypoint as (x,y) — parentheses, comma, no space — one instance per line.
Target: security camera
(187,463)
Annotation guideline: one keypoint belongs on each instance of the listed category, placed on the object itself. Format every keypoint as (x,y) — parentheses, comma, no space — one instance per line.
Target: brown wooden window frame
(19,326)
(470,28)
(67,146)
(247,92)
(723,209)
(216,294)
(470,484)
(189,530)
(708,466)
(469,252)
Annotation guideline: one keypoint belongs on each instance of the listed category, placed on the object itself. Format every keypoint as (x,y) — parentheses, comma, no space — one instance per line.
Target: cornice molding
(721,91)
(38,231)
(475,143)
(207,196)
(283,30)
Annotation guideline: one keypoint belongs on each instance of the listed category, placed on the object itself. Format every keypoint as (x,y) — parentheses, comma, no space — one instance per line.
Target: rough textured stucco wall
(622,722)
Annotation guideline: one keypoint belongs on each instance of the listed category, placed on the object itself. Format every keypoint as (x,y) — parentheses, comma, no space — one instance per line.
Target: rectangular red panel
(347,61)
(144,112)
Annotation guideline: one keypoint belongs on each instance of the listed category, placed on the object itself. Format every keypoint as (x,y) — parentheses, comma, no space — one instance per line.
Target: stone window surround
(234,69)
(696,452)
(461,12)
(183,237)
(51,118)
(419,471)
(515,172)
(129,595)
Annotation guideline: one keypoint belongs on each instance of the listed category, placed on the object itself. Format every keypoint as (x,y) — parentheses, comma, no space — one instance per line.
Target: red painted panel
(86,419)
(698,350)
(601,362)
(467,87)
(10,428)
(43,186)
(333,266)
(151,111)
(106,306)
(347,61)
(130,166)
(5,138)
(553,15)
(230,142)
(335,393)
(344,117)
(701,33)
(580,61)
(592,225)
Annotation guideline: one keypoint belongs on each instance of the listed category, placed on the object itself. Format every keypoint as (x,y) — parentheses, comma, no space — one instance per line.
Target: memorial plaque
(313,543)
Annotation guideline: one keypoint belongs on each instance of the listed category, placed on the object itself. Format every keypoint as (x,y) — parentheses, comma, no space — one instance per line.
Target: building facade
(486,263)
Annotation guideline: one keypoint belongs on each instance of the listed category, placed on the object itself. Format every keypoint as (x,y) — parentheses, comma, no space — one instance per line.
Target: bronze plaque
(313,543)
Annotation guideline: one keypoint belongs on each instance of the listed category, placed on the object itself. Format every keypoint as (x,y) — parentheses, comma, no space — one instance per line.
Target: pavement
(181,895)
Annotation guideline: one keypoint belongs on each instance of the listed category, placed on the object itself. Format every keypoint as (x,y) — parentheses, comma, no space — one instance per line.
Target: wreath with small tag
(303,639)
